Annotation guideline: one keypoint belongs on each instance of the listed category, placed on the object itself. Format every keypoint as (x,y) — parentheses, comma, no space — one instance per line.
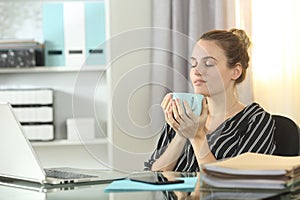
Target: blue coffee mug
(194,100)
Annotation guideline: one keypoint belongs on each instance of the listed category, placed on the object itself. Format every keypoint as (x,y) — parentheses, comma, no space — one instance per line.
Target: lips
(199,81)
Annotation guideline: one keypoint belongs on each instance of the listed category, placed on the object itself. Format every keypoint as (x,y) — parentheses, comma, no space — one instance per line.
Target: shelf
(65,142)
(53,69)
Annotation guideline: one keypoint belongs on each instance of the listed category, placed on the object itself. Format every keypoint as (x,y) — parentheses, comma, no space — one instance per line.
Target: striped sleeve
(186,162)
(165,138)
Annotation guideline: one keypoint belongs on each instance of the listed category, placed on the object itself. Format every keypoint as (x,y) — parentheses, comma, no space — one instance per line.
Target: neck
(223,106)
(220,109)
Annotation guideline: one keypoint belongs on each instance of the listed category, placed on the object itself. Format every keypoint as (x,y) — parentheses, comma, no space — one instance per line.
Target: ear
(237,71)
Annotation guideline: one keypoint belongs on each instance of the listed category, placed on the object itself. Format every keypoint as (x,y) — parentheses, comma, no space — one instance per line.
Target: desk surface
(96,191)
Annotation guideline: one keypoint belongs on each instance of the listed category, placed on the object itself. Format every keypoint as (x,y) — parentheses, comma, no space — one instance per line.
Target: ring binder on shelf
(74,33)
(53,30)
(95,33)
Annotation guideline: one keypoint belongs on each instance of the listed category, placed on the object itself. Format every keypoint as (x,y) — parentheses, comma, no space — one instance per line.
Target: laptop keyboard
(66,175)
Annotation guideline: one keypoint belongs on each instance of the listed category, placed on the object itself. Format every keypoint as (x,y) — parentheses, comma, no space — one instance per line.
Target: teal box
(53,30)
(95,33)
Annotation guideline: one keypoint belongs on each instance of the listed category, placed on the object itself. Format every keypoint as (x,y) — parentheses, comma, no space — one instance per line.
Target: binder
(74,28)
(53,30)
(95,33)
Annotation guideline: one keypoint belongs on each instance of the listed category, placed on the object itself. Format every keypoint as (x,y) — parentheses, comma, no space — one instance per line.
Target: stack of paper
(253,170)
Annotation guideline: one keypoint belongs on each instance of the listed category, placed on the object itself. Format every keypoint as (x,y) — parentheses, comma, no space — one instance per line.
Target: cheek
(215,81)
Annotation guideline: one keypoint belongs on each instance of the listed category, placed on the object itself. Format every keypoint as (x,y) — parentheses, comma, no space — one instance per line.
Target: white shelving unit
(62,152)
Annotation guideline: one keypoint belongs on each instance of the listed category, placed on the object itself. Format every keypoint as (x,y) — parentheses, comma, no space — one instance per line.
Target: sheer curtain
(276,61)
(177,27)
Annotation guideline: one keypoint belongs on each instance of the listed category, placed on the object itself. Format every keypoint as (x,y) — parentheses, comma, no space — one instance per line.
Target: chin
(197,91)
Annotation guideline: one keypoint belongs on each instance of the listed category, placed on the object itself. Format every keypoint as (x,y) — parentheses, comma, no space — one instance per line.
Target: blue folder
(53,30)
(95,33)
(130,186)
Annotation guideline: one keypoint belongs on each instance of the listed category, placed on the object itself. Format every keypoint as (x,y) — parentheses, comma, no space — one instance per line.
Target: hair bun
(241,34)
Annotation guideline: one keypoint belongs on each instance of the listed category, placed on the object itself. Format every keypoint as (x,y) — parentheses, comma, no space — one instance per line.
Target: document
(253,170)
(254,164)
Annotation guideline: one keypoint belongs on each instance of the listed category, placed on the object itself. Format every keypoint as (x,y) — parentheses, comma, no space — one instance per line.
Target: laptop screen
(18,159)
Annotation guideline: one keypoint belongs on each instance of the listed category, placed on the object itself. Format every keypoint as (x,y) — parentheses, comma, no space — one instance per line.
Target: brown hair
(235,44)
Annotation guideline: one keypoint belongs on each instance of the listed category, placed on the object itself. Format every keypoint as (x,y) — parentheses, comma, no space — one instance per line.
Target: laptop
(19,160)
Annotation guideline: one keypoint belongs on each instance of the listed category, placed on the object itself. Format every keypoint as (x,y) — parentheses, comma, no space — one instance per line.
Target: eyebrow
(207,57)
(204,58)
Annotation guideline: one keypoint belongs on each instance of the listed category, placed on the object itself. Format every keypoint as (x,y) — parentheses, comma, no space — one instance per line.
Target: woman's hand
(168,105)
(185,122)
(167,108)
(188,126)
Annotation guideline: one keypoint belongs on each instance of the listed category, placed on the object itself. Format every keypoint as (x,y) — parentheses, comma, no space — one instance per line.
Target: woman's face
(210,74)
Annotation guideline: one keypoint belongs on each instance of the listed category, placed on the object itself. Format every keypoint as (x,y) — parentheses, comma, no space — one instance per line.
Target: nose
(197,71)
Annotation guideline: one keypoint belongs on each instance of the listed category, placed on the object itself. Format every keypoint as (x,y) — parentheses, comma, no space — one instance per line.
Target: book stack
(34,110)
(253,171)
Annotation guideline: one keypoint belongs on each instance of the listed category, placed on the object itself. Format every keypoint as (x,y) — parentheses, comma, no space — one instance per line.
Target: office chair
(287,136)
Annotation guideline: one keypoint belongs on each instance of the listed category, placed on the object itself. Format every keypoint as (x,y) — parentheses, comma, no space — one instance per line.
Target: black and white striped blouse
(251,130)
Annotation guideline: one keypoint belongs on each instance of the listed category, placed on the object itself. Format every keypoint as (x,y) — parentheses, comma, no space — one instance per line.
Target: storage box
(17,58)
(34,110)
(42,96)
(43,132)
(19,55)
(80,128)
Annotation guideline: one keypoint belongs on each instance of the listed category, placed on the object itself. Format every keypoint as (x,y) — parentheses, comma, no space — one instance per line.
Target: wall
(25,16)
(130,76)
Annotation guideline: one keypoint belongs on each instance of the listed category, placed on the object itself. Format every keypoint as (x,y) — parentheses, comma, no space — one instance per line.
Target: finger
(177,110)
(179,107)
(168,111)
(174,108)
(204,106)
(188,110)
(171,119)
(204,111)
(166,100)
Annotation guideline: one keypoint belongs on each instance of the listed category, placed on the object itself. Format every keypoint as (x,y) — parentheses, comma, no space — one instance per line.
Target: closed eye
(208,61)
(193,62)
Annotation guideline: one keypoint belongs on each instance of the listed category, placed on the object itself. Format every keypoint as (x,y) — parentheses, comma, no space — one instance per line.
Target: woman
(225,127)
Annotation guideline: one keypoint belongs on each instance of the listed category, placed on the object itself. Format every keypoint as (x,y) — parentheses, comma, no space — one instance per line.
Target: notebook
(19,160)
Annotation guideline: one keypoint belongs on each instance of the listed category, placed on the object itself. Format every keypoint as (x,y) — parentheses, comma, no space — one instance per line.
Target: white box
(39,132)
(81,129)
(34,114)
(27,96)
(74,29)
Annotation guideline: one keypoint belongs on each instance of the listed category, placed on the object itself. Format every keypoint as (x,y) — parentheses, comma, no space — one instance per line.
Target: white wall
(130,75)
